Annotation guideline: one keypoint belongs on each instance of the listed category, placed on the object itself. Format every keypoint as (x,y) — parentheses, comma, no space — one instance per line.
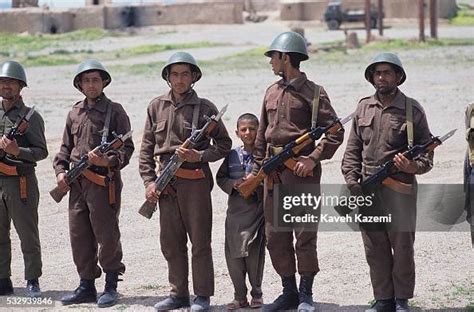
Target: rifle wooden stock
(57,194)
(147,209)
(248,187)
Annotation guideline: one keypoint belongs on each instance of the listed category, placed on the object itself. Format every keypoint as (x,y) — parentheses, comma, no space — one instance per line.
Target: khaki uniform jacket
(32,144)
(286,115)
(379,133)
(169,124)
(83,133)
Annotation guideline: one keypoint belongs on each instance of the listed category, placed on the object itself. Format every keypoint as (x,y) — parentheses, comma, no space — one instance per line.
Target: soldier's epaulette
(77,103)
(273,84)
(417,105)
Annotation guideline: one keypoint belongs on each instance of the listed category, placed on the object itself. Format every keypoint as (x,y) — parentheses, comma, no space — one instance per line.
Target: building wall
(24,3)
(314,9)
(37,20)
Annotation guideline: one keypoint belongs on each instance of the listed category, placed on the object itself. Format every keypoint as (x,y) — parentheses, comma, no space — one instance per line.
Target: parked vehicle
(335,15)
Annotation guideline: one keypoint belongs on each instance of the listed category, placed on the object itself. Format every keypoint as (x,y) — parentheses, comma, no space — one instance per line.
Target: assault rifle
(291,149)
(57,194)
(389,168)
(18,128)
(148,207)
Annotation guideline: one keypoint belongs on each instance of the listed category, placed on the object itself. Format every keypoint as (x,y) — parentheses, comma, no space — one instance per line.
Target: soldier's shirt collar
(100,104)
(190,98)
(295,83)
(398,101)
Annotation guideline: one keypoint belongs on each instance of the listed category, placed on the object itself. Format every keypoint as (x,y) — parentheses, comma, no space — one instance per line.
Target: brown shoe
(256,303)
(236,304)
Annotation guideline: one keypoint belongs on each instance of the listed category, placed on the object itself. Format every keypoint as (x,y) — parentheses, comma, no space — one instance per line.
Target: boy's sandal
(236,304)
(256,303)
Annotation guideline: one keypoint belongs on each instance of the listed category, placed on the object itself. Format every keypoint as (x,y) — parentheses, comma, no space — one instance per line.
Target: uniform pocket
(299,112)
(75,132)
(271,109)
(159,131)
(397,135)
(366,127)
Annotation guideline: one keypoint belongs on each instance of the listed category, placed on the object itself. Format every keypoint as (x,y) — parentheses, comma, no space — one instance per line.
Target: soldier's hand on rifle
(100,160)
(237,183)
(355,189)
(304,167)
(189,155)
(404,164)
(9,146)
(151,194)
(62,182)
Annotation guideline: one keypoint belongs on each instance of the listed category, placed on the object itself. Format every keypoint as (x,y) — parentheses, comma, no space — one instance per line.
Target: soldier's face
(247,131)
(385,78)
(9,88)
(276,62)
(91,84)
(181,78)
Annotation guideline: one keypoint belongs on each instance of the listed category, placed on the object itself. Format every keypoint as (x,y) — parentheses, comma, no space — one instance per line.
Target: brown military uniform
(286,115)
(378,134)
(24,213)
(188,210)
(93,221)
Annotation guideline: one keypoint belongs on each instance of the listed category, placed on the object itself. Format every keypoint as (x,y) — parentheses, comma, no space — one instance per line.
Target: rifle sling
(194,124)
(105,131)
(409,117)
(315,108)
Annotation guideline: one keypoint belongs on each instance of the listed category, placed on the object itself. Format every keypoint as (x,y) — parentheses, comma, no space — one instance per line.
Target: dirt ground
(440,78)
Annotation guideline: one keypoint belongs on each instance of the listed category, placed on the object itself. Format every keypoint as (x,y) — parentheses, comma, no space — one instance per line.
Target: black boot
(172,303)
(33,288)
(109,296)
(401,305)
(6,287)
(385,305)
(288,300)
(86,292)
(306,294)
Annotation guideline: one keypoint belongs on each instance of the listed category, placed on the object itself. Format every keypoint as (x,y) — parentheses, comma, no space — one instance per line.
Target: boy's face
(247,131)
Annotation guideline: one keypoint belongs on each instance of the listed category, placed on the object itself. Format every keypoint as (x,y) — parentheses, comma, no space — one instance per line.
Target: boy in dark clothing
(244,227)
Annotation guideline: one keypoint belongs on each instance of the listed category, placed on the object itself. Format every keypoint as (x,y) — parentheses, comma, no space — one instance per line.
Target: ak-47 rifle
(291,149)
(148,207)
(57,194)
(389,168)
(18,128)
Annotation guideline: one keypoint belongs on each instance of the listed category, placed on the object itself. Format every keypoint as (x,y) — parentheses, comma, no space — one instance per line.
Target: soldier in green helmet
(185,204)
(18,183)
(94,198)
(385,125)
(293,106)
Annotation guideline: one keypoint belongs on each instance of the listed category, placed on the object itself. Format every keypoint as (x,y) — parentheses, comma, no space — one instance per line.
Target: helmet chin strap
(281,72)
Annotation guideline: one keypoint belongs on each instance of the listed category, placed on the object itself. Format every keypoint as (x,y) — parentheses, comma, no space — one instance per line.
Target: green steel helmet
(181,57)
(289,42)
(385,57)
(13,70)
(91,65)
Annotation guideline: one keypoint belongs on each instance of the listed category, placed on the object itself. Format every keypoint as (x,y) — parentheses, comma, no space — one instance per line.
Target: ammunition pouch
(104,181)
(21,171)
